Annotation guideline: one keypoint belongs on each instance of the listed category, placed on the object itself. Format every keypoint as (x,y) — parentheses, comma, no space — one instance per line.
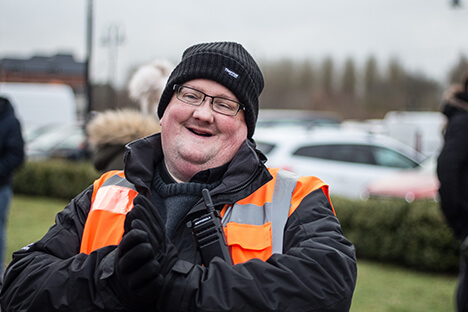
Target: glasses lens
(226,107)
(190,96)
(195,97)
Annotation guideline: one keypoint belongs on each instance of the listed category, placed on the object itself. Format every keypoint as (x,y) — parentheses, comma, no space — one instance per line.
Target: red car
(408,184)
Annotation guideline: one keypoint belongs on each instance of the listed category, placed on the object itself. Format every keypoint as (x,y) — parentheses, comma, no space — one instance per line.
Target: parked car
(409,184)
(33,132)
(58,141)
(295,117)
(346,160)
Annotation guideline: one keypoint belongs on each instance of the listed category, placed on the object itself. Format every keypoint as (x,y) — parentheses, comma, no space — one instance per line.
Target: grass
(387,288)
(379,287)
(29,220)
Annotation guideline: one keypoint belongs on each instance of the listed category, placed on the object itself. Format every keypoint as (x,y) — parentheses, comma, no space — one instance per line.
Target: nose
(204,111)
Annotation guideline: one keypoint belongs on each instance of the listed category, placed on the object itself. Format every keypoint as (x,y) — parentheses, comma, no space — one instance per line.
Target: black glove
(151,222)
(145,255)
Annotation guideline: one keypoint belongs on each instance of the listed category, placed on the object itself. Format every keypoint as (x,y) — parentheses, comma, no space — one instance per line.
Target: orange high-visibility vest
(254,226)
(111,201)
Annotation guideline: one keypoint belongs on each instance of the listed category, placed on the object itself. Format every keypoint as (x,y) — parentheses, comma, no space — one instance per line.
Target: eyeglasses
(218,104)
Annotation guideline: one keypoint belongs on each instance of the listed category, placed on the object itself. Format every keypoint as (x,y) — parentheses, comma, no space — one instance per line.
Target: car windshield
(51,139)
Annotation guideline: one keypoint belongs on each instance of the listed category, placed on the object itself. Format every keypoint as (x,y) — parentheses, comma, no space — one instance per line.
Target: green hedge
(54,178)
(409,234)
(413,234)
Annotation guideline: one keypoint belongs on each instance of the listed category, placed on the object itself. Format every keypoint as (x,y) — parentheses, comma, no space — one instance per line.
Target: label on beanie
(231,73)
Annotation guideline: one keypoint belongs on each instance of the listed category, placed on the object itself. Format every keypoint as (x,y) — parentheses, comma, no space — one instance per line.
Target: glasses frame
(178,87)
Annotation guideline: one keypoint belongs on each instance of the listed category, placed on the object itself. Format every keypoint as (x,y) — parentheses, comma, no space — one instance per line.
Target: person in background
(452,171)
(147,84)
(109,131)
(11,157)
(135,239)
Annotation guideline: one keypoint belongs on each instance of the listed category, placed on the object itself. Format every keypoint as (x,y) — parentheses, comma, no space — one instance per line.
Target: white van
(40,104)
(421,130)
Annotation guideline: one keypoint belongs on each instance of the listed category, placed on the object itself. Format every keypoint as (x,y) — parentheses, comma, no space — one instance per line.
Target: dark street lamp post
(89,44)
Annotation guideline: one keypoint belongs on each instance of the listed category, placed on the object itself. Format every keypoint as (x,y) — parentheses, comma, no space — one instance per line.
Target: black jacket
(452,170)
(11,142)
(317,271)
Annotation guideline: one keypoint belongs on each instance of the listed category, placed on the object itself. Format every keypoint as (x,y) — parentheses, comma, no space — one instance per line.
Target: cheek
(173,114)
(236,132)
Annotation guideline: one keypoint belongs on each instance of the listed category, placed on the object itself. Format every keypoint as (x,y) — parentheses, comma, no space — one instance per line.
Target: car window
(339,152)
(314,151)
(361,154)
(390,158)
(264,147)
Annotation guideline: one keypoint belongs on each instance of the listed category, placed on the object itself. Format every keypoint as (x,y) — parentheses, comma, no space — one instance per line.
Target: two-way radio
(208,233)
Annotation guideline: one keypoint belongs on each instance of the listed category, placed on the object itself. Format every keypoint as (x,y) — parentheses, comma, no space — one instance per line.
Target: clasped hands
(145,255)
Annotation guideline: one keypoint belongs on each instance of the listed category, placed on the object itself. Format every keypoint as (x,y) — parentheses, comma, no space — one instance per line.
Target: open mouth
(200,133)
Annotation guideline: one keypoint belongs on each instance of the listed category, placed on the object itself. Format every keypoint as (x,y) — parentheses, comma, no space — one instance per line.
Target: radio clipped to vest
(208,233)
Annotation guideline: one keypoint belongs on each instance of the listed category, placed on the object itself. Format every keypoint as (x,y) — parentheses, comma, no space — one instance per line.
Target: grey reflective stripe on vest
(118,180)
(277,211)
(284,186)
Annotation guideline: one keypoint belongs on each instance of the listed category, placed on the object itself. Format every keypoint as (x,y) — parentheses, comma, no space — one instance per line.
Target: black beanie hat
(227,63)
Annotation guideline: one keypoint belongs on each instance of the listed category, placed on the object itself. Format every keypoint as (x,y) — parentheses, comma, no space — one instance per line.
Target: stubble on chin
(183,164)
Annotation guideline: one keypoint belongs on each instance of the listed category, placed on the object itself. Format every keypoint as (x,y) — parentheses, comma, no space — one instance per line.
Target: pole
(89,44)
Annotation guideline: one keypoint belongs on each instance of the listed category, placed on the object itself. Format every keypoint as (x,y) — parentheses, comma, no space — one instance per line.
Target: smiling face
(196,138)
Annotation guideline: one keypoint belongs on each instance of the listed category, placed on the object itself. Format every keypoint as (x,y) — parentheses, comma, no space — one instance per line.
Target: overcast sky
(427,36)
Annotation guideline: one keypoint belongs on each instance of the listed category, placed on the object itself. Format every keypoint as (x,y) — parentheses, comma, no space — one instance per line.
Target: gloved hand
(145,254)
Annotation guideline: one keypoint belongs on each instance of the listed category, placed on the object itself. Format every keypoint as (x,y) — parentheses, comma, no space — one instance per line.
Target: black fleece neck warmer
(174,200)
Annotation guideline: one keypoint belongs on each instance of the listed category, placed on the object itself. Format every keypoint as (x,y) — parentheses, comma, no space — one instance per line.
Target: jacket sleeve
(451,171)
(12,153)
(316,272)
(52,275)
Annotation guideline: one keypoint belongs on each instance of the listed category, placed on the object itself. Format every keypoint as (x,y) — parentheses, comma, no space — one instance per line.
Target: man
(452,170)
(11,157)
(124,244)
